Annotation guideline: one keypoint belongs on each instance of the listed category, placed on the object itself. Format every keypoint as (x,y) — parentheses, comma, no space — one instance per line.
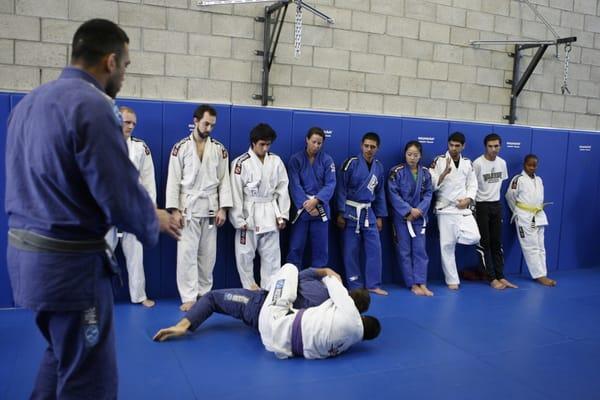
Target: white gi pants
(134,259)
(531,240)
(455,228)
(275,321)
(196,256)
(267,245)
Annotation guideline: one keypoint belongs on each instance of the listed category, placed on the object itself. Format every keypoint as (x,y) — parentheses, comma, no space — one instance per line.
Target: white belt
(252,200)
(359,207)
(201,194)
(411,230)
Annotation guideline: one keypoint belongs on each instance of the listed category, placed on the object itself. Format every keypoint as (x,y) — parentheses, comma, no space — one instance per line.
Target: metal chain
(564,88)
(298,30)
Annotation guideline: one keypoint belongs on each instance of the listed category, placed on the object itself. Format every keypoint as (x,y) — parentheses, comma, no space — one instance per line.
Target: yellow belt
(529,207)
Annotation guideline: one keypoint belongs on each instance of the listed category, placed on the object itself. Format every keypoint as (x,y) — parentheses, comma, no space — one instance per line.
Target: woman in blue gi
(312,182)
(409,192)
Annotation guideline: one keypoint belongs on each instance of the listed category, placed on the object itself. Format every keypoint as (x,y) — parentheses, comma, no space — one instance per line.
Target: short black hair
(315,130)
(371,136)
(362,299)
(414,143)
(262,132)
(204,108)
(491,137)
(528,157)
(457,137)
(371,327)
(96,38)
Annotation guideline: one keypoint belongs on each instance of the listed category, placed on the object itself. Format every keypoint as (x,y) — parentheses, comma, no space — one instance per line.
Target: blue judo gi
(68,178)
(406,192)
(306,181)
(245,305)
(360,198)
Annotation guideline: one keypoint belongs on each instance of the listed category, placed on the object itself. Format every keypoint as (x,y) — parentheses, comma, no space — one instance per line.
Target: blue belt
(297,345)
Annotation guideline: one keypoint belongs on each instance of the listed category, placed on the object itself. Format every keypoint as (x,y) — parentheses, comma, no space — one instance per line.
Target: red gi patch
(225,155)
(238,169)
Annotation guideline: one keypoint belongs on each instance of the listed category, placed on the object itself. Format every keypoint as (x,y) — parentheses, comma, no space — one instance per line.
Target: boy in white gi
(261,207)
(525,197)
(198,194)
(490,171)
(139,154)
(316,332)
(455,184)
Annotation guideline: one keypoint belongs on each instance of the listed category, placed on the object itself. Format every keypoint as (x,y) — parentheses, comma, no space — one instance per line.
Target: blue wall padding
(6,299)
(516,144)
(580,203)
(572,217)
(550,146)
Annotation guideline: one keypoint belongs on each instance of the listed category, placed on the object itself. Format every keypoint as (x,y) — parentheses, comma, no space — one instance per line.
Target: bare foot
(508,284)
(544,280)
(496,284)
(417,290)
(186,306)
(254,287)
(425,290)
(453,286)
(379,291)
(148,303)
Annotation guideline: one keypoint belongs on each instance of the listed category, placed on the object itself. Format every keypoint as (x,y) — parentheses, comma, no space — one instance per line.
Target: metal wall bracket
(517,84)
(273,22)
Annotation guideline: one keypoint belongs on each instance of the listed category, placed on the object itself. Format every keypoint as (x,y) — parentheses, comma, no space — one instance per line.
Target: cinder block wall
(407,57)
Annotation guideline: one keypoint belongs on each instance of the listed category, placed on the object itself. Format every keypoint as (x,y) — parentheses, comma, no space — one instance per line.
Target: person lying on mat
(328,317)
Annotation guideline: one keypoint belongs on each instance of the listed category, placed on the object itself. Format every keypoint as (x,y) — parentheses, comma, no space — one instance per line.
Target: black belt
(31,241)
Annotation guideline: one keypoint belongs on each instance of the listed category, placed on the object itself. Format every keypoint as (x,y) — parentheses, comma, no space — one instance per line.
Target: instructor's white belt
(359,207)
(252,200)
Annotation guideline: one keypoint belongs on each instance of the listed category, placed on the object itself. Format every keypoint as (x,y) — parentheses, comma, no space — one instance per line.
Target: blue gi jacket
(357,183)
(307,180)
(68,176)
(405,193)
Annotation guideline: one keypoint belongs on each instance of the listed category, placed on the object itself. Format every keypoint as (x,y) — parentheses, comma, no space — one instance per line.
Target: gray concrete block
(385,44)
(329,99)
(347,80)
(403,27)
(364,62)
(445,90)
(82,10)
(17,27)
(331,58)
(146,63)
(366,102)
(348,40)
(474,93)
(40,54)
(399,105)
(187,66)
(563,120)
(142,16)
(381,83)
(209,90)
(13,77)
(586,121)
(451,16)
(388,7)
(401,66)
(297,98)
(460,110)
(415,87)
(310,76)
(7,51)
(417,49)
(431,108)
(433,32)
(46,8)
(432,70)
(448,53)
(233,26)
(206,45)
(366,22)
(230,70)
(187,21)
(420,10)
(165,41)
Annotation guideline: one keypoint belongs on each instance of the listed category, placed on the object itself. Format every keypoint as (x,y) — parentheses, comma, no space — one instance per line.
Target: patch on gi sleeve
(146,149)
(238,164)
(395,170)
(277,290)
(521,232)
(332,167)
(224,152)
(434,162)
(514,183)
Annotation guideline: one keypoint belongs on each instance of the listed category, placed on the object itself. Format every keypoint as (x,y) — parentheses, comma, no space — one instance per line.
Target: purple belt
(297,345)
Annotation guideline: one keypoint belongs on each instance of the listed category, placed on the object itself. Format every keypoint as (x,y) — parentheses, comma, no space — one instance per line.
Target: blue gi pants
(368,239)
(318,232)
(411,253)
(242,304)
(80,360)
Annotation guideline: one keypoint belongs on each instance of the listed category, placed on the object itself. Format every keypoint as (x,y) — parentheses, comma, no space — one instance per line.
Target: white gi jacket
(458,184)
(140,156)
(198,188)
(327,330)
(525,197)
(260,192)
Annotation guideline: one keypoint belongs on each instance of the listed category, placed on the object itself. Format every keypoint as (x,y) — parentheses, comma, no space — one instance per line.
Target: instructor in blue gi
(361,205)
(312,183)
(69,178)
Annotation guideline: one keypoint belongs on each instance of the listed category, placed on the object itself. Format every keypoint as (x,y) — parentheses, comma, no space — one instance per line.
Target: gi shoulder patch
(347,163)
(332,167)
(224,153)
(178,145)
(515,182)
(238,164)
(394,171)
(146,148)
(434,162)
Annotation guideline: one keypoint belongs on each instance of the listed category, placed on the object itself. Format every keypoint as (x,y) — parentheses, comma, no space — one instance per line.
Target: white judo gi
(198,188)
(327,330)
(139,154)
(525,197)
(455,225)
(260,198)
